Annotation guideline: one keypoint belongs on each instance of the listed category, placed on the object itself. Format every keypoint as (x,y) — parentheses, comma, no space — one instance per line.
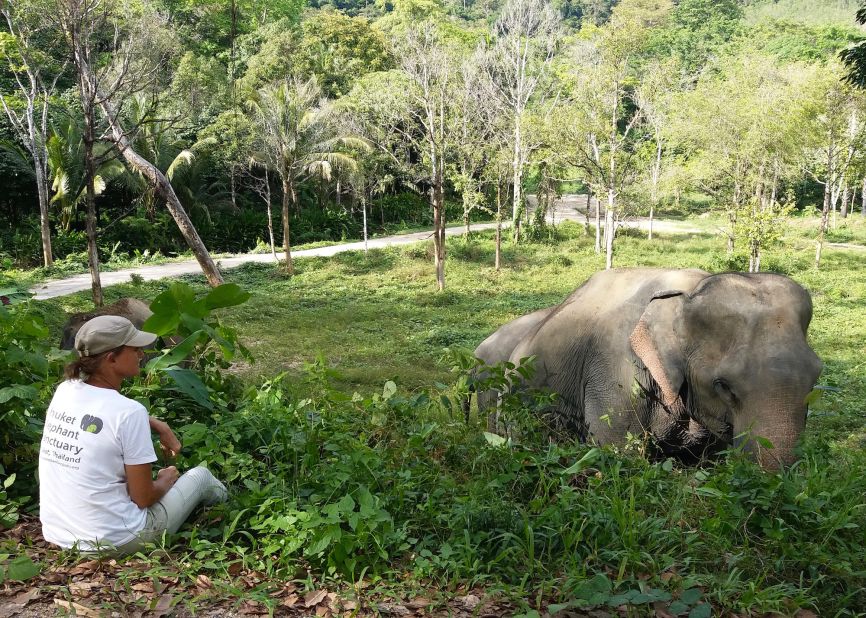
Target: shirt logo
(91,424)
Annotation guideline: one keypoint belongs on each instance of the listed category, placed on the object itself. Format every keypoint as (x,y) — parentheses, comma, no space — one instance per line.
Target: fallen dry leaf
(203,582)
(18,602)
(83,589)
(314,597)
(291,600)
(349,606)
(85,568)
(162,606)
(805,613)
(394,608)
(78,609)
(235,568)
(323,612)
(144,587)
(470,601)
(253,608)
(418,603)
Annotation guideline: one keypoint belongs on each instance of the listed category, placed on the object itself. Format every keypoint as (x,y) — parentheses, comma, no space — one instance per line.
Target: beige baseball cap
(107,332)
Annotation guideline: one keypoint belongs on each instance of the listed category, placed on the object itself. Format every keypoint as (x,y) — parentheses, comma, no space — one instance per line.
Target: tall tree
(604,102)
(428,67)
(296,138)
(137,61)
(837,111)
(525,38)
(36,75)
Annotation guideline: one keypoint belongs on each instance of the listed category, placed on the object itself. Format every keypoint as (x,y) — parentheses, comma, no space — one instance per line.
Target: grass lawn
(459,514)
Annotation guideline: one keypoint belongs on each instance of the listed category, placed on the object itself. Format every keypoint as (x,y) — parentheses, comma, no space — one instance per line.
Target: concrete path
(570,207)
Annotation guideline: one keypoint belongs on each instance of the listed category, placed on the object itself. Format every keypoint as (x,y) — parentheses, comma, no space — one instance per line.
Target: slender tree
(525,38)
(296,139)
(36,75)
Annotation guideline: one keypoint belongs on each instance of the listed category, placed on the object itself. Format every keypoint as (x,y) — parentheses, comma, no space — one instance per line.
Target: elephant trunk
(769,431)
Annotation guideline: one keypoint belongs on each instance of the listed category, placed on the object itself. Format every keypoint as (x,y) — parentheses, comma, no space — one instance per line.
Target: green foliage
(184,381)
(29,369)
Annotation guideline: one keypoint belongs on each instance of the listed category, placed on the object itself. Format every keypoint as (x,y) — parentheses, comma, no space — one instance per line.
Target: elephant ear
(657,342)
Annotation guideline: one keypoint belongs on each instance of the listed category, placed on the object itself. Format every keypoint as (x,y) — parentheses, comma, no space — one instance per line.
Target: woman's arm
(170,444)
(143,490)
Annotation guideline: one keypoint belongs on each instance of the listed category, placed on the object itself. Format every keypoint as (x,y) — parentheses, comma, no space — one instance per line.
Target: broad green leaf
(191,385)
(193,433)
(176,354)
(678,607)
(22,568)
(389,390)
(591,456)
(704,610)
(162,323)
(226,295)
(21,391)
(691,596)
(555,608)
(8,482)
(494,440)
(764,443)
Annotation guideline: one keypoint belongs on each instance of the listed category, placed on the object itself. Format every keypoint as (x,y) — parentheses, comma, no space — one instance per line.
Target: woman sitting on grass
(97,491)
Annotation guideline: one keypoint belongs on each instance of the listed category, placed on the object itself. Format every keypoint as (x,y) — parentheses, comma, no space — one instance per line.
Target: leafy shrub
(29,369)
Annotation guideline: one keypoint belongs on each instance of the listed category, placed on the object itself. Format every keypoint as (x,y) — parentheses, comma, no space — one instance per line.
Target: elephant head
(734,353)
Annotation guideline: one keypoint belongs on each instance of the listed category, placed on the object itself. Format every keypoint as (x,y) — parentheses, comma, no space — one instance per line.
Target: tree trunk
(825,216)
(597,225)
(288,193)
(165,191)
(586,212)
(863,198)
(233,189)
(44,223)
(438,228)
(498,259)
(518,181)
(466,210)
(90,200)
(270,216)
(652,213)
(656,174)
(364,209)
(609,229)
(846,194)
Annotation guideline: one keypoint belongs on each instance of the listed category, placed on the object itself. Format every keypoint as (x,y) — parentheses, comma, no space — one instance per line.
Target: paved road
(569,207)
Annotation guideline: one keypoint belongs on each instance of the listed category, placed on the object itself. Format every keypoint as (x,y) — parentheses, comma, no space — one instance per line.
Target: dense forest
(252,117)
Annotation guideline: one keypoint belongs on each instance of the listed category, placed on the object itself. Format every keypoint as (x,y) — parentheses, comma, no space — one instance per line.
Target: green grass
(443,509)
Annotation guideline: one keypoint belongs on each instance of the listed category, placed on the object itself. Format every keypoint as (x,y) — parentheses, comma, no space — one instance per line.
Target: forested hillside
(266,114)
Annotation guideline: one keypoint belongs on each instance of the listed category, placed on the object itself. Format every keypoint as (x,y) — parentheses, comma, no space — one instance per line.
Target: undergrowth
(379,476)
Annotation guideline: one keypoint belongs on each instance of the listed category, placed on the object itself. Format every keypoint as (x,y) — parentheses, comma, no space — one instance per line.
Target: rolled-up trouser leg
(168,514)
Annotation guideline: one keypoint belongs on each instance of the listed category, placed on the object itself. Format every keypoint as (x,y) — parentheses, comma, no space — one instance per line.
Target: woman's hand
(168,441)
(143,490)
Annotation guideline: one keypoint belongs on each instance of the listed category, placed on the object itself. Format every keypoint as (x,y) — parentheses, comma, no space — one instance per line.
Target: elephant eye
(723,390)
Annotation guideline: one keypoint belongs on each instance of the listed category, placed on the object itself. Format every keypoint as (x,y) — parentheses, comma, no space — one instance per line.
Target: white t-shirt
(90,434)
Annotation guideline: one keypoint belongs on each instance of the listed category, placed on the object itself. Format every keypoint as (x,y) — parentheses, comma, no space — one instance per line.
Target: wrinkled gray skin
(497,348)
(691,358)
(134,310)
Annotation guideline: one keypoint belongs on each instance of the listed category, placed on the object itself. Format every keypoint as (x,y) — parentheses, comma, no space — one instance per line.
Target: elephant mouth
(718,427)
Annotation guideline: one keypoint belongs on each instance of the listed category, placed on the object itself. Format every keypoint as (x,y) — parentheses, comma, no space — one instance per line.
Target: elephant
(698,361)
(133,309)
(497,348)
